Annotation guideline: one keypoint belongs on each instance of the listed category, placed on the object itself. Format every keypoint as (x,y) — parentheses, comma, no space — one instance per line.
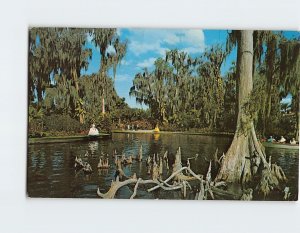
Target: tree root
(270,179)
(208,189)
(182,177)
(116,185)
(103,164)
(135,188)
(247,195)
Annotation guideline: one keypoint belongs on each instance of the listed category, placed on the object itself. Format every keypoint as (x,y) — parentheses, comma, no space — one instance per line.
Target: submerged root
(206,187)
(267,182)
(115,186)
(278,172)
(247,195)
(271,175)
(177,169)
(270,179)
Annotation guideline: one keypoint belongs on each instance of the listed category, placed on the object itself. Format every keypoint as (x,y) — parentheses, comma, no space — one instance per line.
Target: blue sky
(145,45)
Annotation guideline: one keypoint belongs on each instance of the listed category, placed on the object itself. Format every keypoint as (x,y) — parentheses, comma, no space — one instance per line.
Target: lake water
(51,172)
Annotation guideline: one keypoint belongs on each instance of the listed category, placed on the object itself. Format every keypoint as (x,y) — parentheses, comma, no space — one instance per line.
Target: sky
(145,45)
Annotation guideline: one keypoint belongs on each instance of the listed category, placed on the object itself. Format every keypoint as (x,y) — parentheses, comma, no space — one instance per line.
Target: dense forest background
(181,92)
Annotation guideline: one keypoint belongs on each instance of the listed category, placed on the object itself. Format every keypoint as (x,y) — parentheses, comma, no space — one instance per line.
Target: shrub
(104,123)
(62,123)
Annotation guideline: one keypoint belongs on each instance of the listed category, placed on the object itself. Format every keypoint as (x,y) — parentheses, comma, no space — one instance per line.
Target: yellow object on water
(156,130)
(156,136)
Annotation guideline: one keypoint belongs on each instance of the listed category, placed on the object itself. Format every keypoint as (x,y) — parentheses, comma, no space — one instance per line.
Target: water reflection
(93,146)
(156,137)
(51,171)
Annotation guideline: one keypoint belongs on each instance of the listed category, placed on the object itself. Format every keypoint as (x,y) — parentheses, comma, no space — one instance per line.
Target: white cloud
(155,40)
(126,62)
(146,63)
(138,47)
(194,37)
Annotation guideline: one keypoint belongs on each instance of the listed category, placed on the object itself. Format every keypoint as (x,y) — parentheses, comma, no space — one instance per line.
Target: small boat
(281,145)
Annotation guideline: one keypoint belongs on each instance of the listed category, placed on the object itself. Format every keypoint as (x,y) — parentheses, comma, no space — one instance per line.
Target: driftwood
(195,157)
(178,165)
(175,174)
(176,181)
(135,188)
(116,185)
(205,186)
(201,194)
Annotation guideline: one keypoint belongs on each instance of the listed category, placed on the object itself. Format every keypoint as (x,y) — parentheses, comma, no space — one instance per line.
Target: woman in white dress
(93,131)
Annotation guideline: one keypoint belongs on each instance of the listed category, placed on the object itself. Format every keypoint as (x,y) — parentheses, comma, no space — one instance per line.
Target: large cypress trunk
(244,153)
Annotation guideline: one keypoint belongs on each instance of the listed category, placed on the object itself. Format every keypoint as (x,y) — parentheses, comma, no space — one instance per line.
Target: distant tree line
(192,93)
(181,92)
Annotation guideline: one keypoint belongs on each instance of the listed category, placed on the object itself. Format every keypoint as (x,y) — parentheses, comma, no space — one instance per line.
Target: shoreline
(71,138)
(61,139)
(228,134)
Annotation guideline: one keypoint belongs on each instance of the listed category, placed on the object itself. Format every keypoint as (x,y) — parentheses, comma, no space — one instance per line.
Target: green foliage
(62,123)
(35,113)
(104,123)
(56,58)
(285,125)
(230,100)
(181,85)
(35,120)
(182,92)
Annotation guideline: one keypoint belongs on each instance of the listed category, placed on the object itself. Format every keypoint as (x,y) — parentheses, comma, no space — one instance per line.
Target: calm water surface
(51,171)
